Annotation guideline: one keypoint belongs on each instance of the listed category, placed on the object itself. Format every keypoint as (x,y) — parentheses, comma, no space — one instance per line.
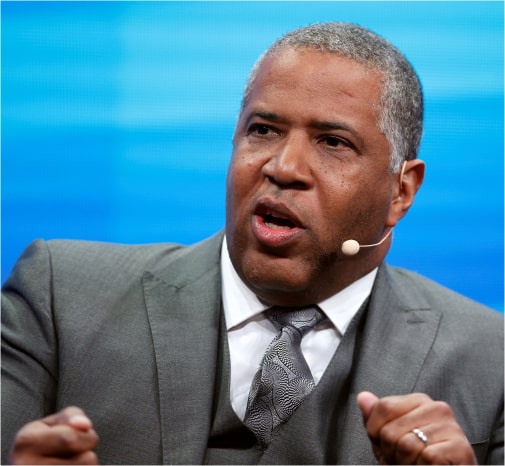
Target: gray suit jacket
(130,334)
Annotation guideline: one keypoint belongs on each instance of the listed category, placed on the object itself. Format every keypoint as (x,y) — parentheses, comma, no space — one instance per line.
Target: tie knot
(302,319)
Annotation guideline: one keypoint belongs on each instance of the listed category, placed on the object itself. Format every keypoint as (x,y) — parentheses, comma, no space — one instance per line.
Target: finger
(447,452)
(57,440)
(397,440)
(366,402)
(434,418)
(400,444)
(88,457)
(408,448)
(72,416)
(393,409)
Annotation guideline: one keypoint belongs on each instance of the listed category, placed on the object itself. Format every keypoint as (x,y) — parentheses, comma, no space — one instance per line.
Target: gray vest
(310,436)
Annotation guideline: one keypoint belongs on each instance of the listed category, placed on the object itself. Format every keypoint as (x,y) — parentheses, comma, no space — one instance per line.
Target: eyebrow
(316,124)
(321,125)
(267,116)
(331,125)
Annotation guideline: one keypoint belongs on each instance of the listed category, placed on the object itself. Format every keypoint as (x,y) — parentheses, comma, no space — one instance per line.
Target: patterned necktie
(284,378)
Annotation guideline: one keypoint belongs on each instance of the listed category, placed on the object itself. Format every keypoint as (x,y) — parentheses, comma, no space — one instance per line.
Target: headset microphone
(352,247)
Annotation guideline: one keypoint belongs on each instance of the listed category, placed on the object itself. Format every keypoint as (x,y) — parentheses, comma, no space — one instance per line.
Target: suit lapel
(399,332)
(183,303)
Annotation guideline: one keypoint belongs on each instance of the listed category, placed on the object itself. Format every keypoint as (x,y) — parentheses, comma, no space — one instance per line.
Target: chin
(280,282)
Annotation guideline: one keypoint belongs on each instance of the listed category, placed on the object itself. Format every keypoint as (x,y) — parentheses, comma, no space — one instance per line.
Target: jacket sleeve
(495,454)
(29,344)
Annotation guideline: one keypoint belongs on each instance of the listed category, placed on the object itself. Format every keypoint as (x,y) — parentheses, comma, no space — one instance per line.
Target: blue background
(117,121)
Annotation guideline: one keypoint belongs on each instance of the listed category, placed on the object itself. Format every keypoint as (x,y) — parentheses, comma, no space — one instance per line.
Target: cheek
(245,168)
(234,181)
(367,212)
(239,183)
(353,205)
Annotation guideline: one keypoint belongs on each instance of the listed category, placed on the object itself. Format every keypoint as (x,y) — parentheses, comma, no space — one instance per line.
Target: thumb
(366,402)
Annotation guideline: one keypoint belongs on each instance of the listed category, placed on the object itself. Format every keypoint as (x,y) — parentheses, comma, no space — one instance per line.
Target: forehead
(327,81)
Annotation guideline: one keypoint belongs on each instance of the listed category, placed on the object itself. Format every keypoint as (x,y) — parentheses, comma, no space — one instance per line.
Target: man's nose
(289,164)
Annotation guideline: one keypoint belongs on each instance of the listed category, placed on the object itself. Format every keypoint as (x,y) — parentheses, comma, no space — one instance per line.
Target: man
(154,349)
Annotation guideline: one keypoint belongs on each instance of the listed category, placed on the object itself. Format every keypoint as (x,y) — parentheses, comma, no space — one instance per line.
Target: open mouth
(275,225)
(272,221)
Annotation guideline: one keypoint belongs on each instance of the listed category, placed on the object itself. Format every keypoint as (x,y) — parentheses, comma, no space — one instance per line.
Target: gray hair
(401,105)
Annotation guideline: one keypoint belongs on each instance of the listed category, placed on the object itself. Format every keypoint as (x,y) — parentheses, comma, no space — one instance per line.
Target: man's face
(309,171)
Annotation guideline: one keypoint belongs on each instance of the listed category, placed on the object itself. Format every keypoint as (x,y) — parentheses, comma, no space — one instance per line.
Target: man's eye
(259,130)
(333,141)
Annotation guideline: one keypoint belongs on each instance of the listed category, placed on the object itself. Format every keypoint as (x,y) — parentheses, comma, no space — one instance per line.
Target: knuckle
(63,415)
(432,456)
(24,438)
(388,435)
(88,457)
(94,439)
(405,444)
(448,453)
(443,408)
(68,439)
(71,409)
(423,397)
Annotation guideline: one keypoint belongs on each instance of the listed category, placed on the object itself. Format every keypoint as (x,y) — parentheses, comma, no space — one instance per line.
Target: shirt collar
(241,304)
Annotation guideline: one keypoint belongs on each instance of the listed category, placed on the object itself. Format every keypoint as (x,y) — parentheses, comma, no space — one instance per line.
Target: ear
(407,183)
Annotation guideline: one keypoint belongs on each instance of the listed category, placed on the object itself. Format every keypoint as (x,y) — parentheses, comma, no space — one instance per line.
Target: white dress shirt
(250,332)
